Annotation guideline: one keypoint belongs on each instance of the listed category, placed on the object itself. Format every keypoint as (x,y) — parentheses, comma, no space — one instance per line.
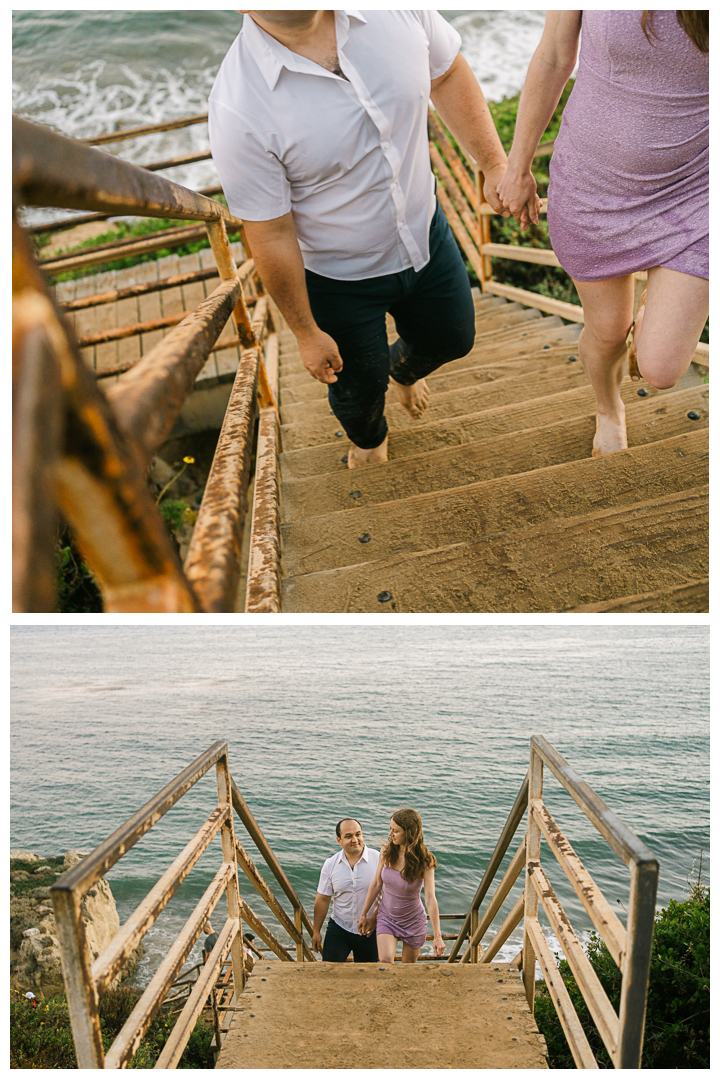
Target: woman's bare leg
(409,956)
(387,944)
(602,346)
(668,327)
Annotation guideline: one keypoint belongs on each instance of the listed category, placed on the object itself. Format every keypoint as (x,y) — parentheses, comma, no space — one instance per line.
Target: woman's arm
(433,912)
(460,103)
(372,894)
(550,68)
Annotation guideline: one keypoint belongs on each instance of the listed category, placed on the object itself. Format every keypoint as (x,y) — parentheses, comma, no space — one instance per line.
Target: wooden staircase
(493,502)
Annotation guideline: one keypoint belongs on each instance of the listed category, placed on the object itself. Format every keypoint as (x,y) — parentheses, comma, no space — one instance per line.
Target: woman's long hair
(696,25)
(417,857)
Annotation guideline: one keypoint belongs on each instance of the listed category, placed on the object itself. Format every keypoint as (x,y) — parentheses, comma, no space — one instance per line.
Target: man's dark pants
(339,943)
(434,316)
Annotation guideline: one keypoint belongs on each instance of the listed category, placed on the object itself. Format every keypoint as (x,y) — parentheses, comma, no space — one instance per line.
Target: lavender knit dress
(629,174)
(401,912)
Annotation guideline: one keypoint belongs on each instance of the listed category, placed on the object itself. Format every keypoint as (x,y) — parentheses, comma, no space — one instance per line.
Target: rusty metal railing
(630,945)
(84,453)
(85,981)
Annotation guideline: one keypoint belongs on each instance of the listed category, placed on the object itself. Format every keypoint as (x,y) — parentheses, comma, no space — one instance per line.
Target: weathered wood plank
(546,568)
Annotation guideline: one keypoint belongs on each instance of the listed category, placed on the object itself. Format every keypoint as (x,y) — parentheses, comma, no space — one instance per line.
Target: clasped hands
(367,924)
(512,192)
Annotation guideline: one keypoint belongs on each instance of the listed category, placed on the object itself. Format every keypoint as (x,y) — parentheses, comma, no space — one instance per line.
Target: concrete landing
(393,1016)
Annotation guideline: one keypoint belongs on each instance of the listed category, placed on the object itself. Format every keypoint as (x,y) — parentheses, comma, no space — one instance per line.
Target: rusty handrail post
(95,477)
(532,857)
(232,893)
(636,969)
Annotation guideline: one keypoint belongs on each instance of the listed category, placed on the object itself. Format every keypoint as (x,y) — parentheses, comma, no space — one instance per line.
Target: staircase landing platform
(375,1016)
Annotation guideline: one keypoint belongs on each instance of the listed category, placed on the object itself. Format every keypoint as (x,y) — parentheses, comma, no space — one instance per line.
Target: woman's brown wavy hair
(696,25)
(417,857)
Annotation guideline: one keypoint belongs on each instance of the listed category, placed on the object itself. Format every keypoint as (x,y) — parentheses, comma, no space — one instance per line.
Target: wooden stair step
(691,596)
(495,345)
(447,377)
(563,338)
(462,396)
(445,517)
(547,568)
(320,426)
(325,459)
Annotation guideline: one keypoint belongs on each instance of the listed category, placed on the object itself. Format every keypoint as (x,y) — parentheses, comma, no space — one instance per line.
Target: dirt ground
(375,1016)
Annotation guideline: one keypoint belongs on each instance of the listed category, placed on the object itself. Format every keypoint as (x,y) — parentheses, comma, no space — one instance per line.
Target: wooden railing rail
(85,982)
(88,454)
(630,946)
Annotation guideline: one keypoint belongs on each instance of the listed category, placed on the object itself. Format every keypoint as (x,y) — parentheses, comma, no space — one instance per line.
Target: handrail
(629,946)
(88,455)
(85,982)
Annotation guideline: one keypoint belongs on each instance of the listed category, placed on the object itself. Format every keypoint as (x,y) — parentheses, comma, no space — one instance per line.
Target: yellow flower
(189,460)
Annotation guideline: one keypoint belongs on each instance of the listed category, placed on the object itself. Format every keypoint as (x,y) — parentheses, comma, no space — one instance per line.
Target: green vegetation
(124,230)
(77,590)
(41,1038)
(677,1027)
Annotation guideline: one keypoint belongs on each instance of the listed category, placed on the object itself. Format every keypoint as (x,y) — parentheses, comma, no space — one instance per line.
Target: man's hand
(320,356)
(493,179)
(317,941)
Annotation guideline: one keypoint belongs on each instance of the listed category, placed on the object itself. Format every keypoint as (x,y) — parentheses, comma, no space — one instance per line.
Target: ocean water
(322,722)
(85,72)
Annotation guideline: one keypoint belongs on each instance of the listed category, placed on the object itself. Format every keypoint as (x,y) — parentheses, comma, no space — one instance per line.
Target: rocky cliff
(34,950)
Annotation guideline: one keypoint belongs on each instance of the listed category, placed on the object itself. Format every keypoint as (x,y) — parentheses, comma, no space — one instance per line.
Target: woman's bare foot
(376,456)
(610,434)
(414,398)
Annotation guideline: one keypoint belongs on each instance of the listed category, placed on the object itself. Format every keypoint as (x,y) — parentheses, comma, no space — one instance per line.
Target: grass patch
(41,1038)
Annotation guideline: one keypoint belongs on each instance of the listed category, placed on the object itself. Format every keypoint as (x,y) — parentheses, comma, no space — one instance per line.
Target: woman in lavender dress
(405,867)
(628,188)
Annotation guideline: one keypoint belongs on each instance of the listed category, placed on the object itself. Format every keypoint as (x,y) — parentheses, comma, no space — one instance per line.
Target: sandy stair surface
(493,501)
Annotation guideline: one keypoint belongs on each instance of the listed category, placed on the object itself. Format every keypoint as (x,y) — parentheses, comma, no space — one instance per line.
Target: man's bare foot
(610,434)
(376,456)
(414,398)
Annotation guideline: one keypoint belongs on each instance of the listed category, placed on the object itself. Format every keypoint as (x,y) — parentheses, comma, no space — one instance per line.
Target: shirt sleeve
(325,884)
(443,39)
(253,179)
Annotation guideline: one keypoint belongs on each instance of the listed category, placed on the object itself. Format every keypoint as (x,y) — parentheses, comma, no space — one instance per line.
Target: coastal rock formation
(35,962)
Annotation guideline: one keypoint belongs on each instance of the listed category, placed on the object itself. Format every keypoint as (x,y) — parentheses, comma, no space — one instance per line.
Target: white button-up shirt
(348,885)
(348,156)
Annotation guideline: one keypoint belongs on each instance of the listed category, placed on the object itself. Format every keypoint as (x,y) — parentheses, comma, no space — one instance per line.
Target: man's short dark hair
(337,827)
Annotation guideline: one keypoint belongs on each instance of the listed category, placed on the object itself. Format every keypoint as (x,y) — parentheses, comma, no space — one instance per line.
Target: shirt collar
(271,56)
(363,857)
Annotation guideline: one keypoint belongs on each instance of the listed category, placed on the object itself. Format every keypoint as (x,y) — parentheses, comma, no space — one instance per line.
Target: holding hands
(517,194)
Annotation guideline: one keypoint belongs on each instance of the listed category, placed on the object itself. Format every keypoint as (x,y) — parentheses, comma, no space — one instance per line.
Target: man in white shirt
(345,879)
(318,130)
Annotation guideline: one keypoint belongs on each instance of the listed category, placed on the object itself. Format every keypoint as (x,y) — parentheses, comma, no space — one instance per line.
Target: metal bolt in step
(546,346)
(355,495)
(384,597)
(692,415)
(365,538)
(344,459)
(339,434)
(642,392)
(572,359)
